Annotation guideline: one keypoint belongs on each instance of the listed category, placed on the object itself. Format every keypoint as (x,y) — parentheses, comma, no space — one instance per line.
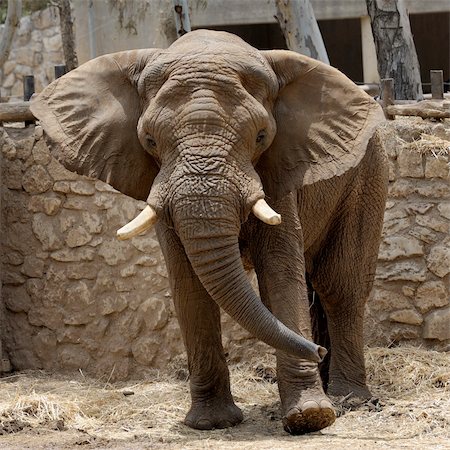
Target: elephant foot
(213,414)
(311,416)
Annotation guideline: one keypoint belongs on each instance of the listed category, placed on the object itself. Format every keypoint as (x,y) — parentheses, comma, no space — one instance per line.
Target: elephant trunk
(211,245)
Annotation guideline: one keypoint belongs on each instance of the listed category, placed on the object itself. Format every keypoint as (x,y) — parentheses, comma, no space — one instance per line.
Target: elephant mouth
(148,217)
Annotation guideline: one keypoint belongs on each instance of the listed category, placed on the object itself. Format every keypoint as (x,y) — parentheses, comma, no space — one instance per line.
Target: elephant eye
(150,141)
(260,137)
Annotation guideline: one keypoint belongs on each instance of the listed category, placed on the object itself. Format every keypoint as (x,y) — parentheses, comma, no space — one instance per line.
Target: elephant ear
(90,117)
(324,123)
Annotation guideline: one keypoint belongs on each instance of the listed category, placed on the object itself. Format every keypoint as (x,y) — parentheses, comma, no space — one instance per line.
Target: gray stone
(52,44)
(44,228)
(78,203)
(48,204)
(431,295)
(145,244)
(8,67)
(393,247)
(437,325)
(407,316)
(409,291)
(105,200)
(78,236)
(435,223)
(434,189)
(73,254)
(72,356)
(12,175)
(82,187)
(128,271)
(438,260)
(38,134)
(92,221)
(410,164)
(40,152)
(12,257)
(16,298)
(385,301)
(419,208)
(402,188)
(437,166)
(24,146)
(145,349)
(112,303)
(412,270)
(61,186)
(146,261)
(114,252)
(81,270)
(44,344)
(33,267)
(36,180)
(103,187)
(154,313)
(424,234)
(395,226)
(444,209)
(395,213)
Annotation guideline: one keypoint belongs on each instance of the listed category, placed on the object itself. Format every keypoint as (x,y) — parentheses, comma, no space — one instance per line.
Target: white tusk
(142,222)
(265,213)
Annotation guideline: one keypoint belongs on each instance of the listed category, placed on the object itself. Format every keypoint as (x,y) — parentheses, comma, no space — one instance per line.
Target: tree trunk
(300,29)
(67,34)
(11,23)
(396,53)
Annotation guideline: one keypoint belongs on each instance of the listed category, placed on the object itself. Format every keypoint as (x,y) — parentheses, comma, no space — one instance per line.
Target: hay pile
(413,386)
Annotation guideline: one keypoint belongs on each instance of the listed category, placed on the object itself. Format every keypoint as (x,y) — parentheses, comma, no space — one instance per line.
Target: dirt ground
(410,409)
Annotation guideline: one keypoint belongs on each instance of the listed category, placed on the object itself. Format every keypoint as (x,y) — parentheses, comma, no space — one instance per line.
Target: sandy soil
(411,409)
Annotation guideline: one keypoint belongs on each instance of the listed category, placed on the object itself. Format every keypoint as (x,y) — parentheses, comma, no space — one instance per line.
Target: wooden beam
(16,112)
(426,109)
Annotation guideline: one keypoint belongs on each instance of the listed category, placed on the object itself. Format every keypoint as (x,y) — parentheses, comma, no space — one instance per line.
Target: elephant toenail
(204,424)
(293,412)
(326,404)
(311,404)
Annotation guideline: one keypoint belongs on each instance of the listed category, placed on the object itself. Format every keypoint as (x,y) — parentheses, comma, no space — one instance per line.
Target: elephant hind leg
(320,331)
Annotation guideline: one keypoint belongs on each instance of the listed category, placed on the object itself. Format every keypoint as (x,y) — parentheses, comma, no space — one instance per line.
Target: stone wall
(35,50)
(76,297)
(410,301)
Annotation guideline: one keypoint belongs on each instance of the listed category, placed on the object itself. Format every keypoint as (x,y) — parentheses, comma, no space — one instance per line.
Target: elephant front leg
(199,319)
(277,253)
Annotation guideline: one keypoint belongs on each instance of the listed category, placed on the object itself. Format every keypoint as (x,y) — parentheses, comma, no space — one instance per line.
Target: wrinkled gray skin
(226,126)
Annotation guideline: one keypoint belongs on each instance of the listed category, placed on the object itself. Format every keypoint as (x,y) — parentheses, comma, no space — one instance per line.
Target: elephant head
(204,131)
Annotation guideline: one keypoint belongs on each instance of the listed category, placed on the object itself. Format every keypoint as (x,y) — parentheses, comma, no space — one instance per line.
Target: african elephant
(208,131)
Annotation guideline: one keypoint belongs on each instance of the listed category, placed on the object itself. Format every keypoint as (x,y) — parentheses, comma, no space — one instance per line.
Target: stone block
(77,202)
(82,187)
(36,180)
(77,236)
(438,260)
(396,225)
(145,349)
(424,234)
(61,186)
(431,295)
(48,204)
(437,325)
(146,261)
(128,271)
(103,187)
(115,252)
(93,222)
(12,174)
(393,247)
(73,254)
(24,146)
(437,167)
(419,207)
(33,267)
(45,18)
(45,229)
(435,223)
(112,303)
(444,209)
(385,301)
(407,316)
(154,313)
(12,257)
(412,270)
(434,189)
(145,244)
(410,164)
(402,188)
(52,44)
(44,345)
(81,270)
(72,356)
(16,298)
(40,152)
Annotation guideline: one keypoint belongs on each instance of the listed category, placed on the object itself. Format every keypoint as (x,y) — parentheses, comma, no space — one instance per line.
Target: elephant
(245,158)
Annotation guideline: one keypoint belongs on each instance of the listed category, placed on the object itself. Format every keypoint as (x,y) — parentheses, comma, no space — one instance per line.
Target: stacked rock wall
(36,49)
(410,300)
(76,297)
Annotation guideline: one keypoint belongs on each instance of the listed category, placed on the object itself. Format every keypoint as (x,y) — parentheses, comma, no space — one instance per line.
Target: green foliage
(28,7)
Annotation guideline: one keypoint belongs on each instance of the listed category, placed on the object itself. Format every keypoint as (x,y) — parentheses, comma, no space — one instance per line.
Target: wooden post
(369,54)
(28,91)
(300,29)
(437,84)
(396,52)
(182,21)
(387,95)
(60,71)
